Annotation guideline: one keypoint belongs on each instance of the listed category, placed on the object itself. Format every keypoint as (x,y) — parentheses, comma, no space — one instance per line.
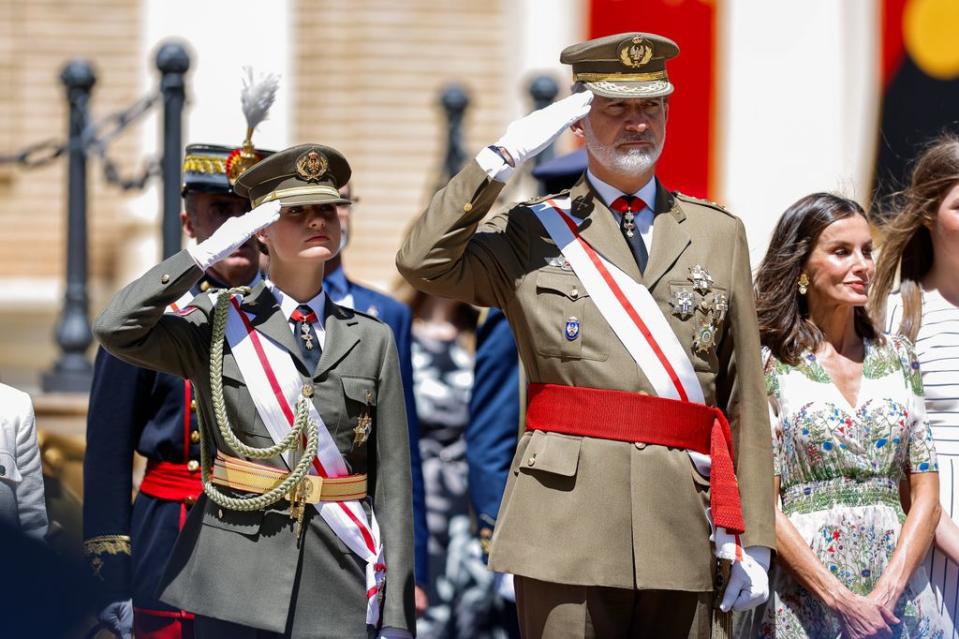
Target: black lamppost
(543,89)
(454,100)
(173,62)
(73,372)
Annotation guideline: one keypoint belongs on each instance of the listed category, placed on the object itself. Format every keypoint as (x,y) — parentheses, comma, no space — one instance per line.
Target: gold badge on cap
(312,165)
(635,52)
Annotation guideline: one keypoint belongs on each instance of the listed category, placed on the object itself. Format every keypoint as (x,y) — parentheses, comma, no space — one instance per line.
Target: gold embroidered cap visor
(206,167)
(301,175)
(625,65)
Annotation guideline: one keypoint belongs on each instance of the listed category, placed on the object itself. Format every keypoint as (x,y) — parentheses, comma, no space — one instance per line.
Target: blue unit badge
(572,328)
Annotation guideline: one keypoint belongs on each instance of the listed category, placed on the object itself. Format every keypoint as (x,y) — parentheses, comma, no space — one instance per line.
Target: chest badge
(559,261)
(682,303)
(705,337)
(572,329)
(364,425)
(701,279)
(719,305)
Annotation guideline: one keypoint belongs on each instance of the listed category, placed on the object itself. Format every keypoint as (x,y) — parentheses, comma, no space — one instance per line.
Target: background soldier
(136,409)
(398,317)
(603,519)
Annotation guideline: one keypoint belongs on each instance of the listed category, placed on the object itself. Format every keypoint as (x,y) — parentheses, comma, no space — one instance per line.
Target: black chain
(95,140)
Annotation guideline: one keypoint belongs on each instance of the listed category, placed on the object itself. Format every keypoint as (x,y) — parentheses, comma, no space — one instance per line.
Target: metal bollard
(73,372)
(173,62)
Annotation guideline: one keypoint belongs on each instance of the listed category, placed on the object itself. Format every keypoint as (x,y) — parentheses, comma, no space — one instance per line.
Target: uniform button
(468,207)
(193,466)
(189,500)
(532,459)
(574,293)
(307,390)
(204,286)
(164,279)
(195,437)
(219,513)
(640,445)
(193,404)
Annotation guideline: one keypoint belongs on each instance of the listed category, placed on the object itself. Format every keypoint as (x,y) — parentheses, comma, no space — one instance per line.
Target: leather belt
(635,417)
(251,477)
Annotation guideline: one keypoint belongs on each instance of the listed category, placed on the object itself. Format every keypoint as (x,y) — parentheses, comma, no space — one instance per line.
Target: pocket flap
(552,453)
(360,389)
(566,284)
(8,467)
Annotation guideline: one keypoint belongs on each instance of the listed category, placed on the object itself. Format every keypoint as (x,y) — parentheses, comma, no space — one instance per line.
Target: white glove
(394,633)
(503,584)
(748,579)
(529,135)
(232,234)
(118,618)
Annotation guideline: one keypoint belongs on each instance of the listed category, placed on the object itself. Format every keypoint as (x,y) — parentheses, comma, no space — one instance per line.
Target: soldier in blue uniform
(399,318)
(135,409)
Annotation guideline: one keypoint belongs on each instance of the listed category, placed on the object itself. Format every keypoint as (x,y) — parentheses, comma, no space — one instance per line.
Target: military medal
(719,306)
(705,337)
(701,279)
(306,337)
(682,303)
(629,225)
(572,329)
(361,432)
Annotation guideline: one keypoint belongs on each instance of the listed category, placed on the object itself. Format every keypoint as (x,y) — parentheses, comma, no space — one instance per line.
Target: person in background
(345,292)
(848,425)
(443,342)
(22,506)
(921,242)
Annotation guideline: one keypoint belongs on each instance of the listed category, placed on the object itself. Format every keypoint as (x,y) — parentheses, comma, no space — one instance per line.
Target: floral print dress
(839,467)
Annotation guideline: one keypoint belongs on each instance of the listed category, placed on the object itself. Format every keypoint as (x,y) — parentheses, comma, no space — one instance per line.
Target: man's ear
(577,128)
(187,223)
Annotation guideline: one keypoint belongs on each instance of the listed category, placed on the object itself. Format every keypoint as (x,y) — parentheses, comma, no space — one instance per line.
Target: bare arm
(917,533)
(947,537)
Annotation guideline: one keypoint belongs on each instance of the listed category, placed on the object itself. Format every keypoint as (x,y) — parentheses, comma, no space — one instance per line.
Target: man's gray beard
(630,161)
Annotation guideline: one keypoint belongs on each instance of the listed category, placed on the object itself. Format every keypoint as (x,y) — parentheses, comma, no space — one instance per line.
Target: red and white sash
(275,385)
(626,305)
(638,322)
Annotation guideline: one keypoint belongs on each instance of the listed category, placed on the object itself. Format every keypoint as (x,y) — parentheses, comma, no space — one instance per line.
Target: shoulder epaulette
(696,200)
(543,198)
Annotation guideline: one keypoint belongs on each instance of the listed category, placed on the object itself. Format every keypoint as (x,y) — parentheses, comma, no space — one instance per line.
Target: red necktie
(628,206)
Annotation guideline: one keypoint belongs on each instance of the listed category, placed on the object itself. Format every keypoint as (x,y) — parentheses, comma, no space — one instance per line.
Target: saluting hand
(233,233)
(529,135)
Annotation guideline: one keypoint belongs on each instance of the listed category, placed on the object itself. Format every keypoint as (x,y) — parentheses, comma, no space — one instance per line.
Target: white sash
(626,305)
(275,386)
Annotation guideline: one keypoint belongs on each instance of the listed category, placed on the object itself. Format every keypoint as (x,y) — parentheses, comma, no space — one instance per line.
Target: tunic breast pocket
(359,395)
(565,321)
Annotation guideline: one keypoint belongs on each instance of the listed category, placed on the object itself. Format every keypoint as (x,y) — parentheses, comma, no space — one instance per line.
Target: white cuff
(491,162)
(760,555)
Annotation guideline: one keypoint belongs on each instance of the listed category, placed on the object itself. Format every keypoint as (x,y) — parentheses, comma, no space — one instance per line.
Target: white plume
(257,96)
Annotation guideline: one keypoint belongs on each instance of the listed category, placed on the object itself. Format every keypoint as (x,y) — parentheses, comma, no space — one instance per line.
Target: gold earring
(803,283)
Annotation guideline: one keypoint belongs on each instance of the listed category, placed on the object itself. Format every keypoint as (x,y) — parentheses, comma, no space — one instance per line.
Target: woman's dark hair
(907,244)
(784,324)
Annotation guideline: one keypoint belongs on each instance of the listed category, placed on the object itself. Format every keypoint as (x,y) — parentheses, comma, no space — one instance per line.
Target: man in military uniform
(399,318)
(633,314)
(136,409)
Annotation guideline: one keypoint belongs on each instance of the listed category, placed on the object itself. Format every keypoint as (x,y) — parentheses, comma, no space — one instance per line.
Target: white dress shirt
(644,219)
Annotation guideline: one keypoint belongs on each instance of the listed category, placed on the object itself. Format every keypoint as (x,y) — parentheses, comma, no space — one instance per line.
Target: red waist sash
(173,482)
(634,417)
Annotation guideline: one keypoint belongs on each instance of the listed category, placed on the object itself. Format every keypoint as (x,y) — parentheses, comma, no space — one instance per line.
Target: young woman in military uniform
(304,426)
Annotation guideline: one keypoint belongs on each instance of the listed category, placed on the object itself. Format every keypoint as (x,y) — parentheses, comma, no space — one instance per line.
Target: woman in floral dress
(849,428)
